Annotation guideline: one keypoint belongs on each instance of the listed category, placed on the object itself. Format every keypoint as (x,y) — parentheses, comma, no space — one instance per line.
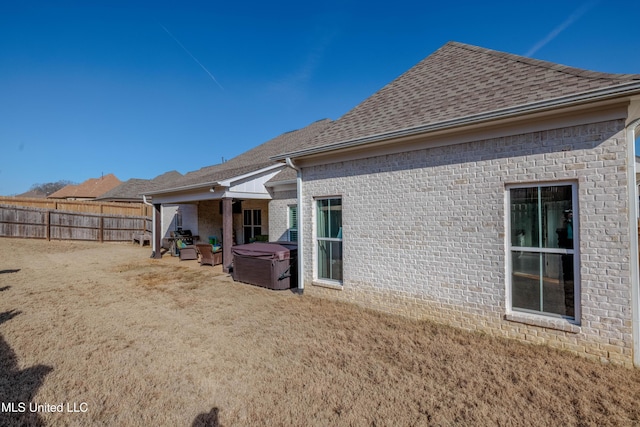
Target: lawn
(113,337)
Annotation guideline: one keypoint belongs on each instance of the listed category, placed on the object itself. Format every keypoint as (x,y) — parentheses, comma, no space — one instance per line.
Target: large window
(252,224)
(543,261)
(293,223)
(329,239)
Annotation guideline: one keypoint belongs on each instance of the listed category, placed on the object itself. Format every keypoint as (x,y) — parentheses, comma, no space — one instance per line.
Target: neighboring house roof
(33,194)
(132,190)
(90,189)
(127,191)
(458,81)
(249,161)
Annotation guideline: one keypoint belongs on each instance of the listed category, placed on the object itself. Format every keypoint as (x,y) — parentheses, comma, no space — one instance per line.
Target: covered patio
(232,209)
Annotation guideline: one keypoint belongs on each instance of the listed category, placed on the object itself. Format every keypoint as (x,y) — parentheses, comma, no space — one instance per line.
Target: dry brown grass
(147,342)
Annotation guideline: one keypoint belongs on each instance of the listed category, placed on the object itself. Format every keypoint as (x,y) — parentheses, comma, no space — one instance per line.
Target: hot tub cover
(264,250)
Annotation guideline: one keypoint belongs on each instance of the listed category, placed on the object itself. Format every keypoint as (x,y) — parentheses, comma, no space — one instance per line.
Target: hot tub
(271,265)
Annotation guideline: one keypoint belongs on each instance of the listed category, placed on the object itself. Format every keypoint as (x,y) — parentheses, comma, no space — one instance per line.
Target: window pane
(330,218)
(293,217)
(557,217)
(330,260)
(257,217)
(323,218)
(335,220)
(558,294)
(551,293)
(525,291)
(524,217)
(247,217)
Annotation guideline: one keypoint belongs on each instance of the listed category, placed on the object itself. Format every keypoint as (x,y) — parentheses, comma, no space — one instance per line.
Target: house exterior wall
(210,219)
(189,213)
(279,214)
(424,233)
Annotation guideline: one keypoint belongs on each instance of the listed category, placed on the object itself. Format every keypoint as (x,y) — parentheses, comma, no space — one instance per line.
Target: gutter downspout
(153,226)
(631,136)
(300,228)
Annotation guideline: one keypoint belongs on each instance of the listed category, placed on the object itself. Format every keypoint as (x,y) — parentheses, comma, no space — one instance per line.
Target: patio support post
(227,233)
(157,231)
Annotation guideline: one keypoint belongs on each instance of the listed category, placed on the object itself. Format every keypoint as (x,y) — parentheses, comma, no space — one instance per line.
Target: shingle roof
(33,194)
(252,160)
(460,80)
(90,189)
(286,174)
(133,189)
(128,190)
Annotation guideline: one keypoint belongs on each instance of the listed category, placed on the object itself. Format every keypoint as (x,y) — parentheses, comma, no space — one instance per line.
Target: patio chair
(207,256)
(187,252)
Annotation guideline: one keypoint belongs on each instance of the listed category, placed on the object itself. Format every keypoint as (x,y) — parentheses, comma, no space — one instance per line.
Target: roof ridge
(574,71)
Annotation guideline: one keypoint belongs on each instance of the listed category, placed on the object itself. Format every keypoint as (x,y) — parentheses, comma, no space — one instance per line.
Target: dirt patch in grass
(136,341)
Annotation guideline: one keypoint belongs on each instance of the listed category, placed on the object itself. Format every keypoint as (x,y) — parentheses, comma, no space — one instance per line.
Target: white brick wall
(424,232)
(279,214)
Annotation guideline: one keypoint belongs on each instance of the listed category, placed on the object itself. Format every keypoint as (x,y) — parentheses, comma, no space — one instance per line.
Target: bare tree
(50,187)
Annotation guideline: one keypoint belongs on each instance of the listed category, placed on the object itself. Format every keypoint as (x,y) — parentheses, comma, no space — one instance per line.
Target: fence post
(47,225)
(101,231)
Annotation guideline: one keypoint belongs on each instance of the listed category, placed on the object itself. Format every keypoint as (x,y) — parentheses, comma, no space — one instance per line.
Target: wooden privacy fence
(87,206)
(47,224)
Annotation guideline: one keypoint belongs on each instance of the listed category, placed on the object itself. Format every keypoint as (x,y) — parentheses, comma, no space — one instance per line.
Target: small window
(252,224)
(329,239)
(293,223)
(543,261)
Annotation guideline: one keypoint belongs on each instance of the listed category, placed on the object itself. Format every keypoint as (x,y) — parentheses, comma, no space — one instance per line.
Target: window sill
(327,284)
(544,322)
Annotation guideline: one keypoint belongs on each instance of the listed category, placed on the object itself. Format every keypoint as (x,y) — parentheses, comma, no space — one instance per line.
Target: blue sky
(141,88)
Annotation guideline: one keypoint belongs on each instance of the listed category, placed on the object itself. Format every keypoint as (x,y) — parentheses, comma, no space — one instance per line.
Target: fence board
(30,222)
(88,206)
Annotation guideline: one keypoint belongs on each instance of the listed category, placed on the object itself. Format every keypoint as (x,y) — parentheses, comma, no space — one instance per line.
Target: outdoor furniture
(141,238)
(188,252)
(208,256)
(178,239)
(270,265)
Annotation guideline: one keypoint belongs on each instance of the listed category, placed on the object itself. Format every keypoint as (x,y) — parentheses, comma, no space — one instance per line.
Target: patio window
(252,224)
(329,239)
(542,259)
(293,223)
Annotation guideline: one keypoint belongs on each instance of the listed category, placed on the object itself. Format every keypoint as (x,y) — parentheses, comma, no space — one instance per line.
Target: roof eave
(272,184)
(230,181)
(618,91)
(183,188)
(220,183)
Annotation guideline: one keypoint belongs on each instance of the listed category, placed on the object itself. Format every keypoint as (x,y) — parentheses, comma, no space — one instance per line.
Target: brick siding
(424,233)
(279,214)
